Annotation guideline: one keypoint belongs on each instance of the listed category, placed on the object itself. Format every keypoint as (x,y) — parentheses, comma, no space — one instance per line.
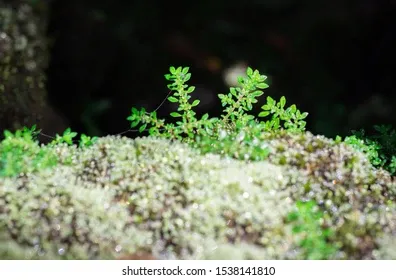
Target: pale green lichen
(164,197)
(386,249)
(172,193)
(45,215)
(183,197)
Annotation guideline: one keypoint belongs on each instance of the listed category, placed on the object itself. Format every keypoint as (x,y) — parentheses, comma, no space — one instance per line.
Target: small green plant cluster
(379,148)
(235,133)
(68,135)
(314,239)
(20,152)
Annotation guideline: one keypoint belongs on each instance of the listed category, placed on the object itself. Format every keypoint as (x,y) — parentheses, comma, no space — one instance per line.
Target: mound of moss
(312,198)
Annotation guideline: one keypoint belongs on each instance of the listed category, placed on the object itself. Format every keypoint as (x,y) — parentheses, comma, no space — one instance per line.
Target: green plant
(313,238)
(293,119)
(67,137)
(86,141)
(235,133)
(379,148)
(20,153)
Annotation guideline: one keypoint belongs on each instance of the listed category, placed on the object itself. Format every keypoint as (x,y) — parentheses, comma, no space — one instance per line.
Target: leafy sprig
(241,99)
(231,127)
(291,117)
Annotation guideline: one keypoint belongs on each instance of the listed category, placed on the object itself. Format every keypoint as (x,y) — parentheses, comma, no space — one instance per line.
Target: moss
(358,200)
(184,197)
(387,248)
(168,199)
(45,215)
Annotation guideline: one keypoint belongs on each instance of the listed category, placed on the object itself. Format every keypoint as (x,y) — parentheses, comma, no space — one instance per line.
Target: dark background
(333,59)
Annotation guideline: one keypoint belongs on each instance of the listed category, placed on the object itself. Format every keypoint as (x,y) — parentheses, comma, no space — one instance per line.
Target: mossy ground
(121,196)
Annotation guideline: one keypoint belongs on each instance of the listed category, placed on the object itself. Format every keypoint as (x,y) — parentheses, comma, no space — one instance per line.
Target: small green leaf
(131,118)
(142,128)
(172,70)
(175,114)
(276,122)
(135,123)
(190,89)
(205,117)
(262,78)
(262,86)
(173,99)
(195,103)
(282,101)
(304,115)
(264,114)
(257,93)
(187,77)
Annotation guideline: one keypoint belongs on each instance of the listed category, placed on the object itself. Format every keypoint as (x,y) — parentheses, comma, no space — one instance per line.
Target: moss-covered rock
(358,200)
(153,195)
(47,216)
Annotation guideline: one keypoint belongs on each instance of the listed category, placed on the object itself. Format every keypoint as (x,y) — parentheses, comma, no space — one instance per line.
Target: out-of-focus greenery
(306,222)
(379,147)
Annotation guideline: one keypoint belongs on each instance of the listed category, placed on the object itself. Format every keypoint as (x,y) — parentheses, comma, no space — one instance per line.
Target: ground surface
(121,196)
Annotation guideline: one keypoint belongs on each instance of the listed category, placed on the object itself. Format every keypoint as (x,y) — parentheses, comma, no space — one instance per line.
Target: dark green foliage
(380,148)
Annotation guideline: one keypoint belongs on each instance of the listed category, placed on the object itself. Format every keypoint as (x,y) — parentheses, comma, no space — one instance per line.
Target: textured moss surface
(122,196)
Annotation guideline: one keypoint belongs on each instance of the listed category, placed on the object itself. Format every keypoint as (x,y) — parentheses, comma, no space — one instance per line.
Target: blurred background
(95,59)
